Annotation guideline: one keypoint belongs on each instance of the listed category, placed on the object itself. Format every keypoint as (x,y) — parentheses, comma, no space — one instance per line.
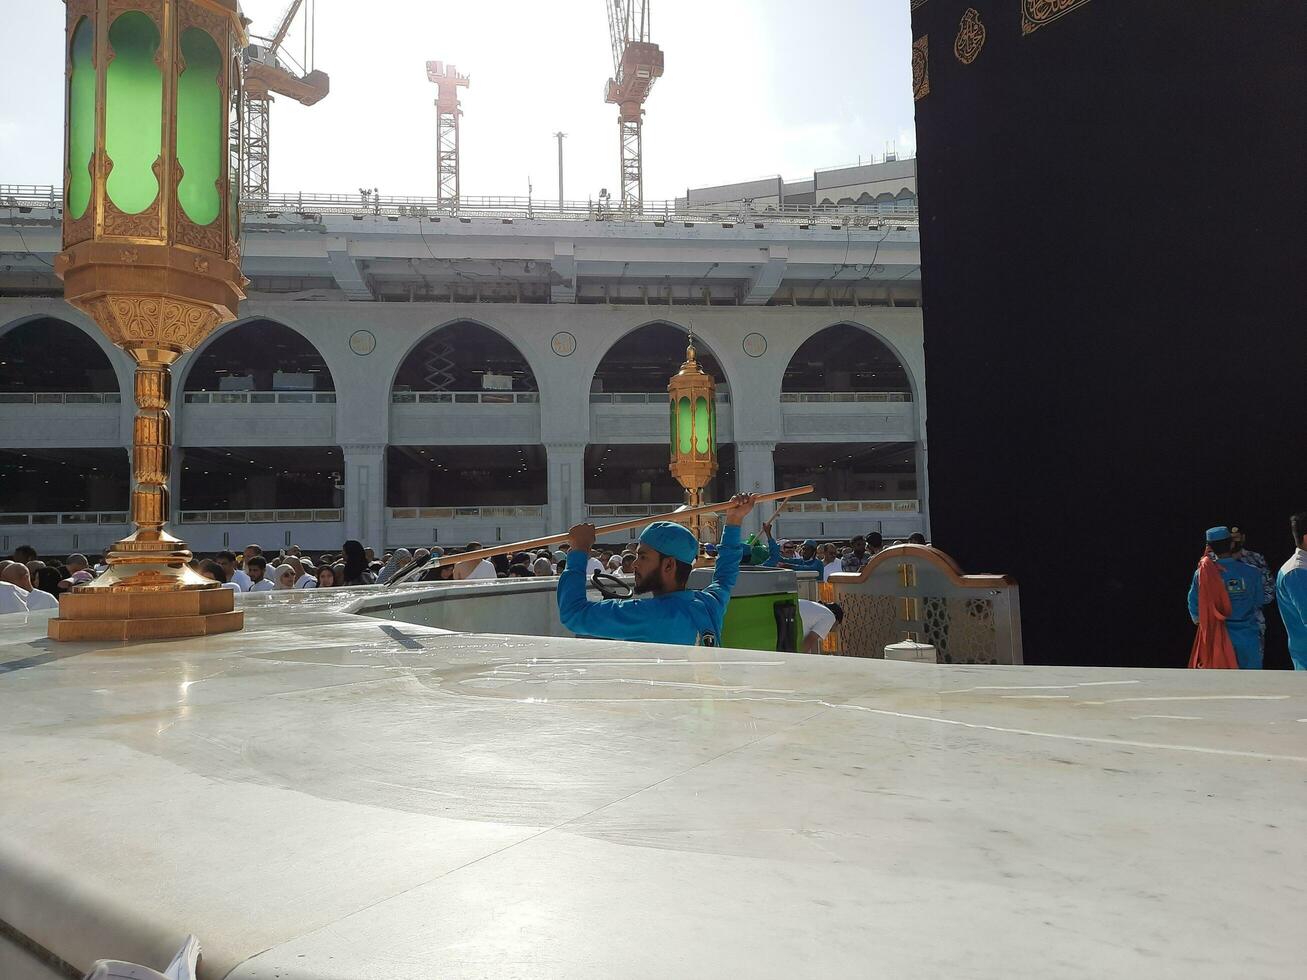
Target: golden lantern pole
(151,233)
(692,397)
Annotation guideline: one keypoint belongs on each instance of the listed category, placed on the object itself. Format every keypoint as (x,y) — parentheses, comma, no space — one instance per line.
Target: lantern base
(151,560)
(89,614)
(148,593)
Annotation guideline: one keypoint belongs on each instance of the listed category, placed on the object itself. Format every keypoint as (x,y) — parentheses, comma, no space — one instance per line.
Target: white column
(755,472)
(566,463)
(174,491)
(365,494)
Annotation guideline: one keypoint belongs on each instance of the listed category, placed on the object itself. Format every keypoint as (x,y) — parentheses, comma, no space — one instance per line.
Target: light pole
(151,239)
(560,137)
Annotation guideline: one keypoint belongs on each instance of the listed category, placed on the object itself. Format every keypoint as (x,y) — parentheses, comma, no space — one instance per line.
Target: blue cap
(1217,533)
(672,540)
(810,543)
(710,549)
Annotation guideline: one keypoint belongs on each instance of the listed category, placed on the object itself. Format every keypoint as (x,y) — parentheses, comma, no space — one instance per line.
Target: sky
(752,88)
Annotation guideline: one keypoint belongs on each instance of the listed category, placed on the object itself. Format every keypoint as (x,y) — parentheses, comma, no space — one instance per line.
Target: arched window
(48,354)
(845,358)
(465,356)
(645,359)
(260,355)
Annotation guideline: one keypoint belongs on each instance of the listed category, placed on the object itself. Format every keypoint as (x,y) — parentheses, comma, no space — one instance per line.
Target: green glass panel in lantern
(702,428)
(81,117)
(683,433)
(672,406)
(133,119)
(200,142)
(712,424)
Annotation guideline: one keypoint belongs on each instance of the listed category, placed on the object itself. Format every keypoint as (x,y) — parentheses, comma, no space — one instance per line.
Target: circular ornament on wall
(564,344)
(362,342)
(755,345)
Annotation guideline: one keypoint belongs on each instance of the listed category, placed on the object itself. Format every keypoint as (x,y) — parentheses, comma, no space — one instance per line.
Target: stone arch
(86,343)
(648,381)
(278,344)
(496,348)
(868,361)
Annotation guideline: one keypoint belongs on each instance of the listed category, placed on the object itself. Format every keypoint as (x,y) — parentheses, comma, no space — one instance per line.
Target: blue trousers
(1247,643)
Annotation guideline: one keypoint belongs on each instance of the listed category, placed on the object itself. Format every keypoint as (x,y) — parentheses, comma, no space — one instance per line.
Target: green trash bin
(763,613)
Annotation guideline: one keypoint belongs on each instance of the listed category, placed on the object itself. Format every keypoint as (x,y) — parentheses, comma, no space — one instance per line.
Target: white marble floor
(331,796)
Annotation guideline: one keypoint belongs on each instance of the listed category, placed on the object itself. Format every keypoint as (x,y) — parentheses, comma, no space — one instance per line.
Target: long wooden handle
(676,515)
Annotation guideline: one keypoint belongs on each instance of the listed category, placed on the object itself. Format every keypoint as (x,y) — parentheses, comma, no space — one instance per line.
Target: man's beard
(648,586)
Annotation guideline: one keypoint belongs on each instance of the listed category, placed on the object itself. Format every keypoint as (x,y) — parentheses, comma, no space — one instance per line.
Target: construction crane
(447,81)
(269,69)
(637,63)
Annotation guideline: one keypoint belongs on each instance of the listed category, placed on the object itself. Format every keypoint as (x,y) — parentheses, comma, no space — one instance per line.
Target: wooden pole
(676,515)
(772,520)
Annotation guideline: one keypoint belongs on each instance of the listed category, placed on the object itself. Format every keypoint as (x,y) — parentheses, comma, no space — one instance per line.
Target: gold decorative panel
(971,37)
(920,68)
(1037,13)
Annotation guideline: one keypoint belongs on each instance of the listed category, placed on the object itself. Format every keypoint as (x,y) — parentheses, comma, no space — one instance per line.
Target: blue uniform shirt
(1291,593)
(684,617)
(798,564)
(1244,584)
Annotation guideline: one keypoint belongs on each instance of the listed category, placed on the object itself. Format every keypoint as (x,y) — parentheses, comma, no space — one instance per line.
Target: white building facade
(557,322)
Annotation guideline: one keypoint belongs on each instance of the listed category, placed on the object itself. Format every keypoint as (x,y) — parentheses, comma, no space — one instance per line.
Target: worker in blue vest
(1291,592)
(664,556)
(1244,585)
(807,562)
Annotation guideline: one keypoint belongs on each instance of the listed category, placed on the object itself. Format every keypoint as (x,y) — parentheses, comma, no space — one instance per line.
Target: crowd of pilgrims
(29,583)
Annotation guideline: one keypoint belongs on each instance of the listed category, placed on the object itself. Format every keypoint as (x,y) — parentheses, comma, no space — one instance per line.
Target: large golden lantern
(692,397)
(151,234)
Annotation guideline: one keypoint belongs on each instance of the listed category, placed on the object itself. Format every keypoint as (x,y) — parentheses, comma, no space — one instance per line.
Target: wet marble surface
(328,795)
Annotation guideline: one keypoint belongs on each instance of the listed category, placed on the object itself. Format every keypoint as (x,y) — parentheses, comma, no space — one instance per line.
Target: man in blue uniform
(807,562)
(1244,585)
(1291,593)
(664,557)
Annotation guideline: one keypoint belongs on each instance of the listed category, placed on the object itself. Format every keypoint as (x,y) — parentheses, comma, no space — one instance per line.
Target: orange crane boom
(267,74)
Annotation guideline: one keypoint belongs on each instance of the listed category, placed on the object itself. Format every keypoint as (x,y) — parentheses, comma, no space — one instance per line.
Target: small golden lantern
(151,234)
(692,397)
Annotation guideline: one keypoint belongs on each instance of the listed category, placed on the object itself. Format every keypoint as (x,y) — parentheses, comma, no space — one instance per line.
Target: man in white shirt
(258,574)
(234,575)
(484,568)
(16,575)
(819,618)
(830,555)
(12,599)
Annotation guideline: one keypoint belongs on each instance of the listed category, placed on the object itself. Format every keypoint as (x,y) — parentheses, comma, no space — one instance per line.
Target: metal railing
(464,397)
(640,397)
(60,398)
(508,208)
(627,510)
(846,396)
(260,516)
(44,518)
(850,507)
(259,397)
(532,511)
